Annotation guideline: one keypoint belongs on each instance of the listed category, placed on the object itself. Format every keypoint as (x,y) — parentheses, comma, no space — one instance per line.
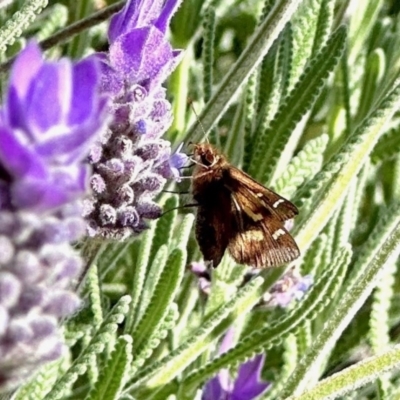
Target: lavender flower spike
(247,385)
(52,113)
(131,162)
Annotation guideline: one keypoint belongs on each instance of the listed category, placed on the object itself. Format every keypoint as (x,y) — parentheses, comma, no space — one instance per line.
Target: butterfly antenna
(198,120)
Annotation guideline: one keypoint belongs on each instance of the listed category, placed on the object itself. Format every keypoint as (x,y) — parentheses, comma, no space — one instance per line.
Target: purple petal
(247,385)
(58,189)
(135,14)
(213,390)
(56,96)
(24,69)
(141,54)
(84,81)
(16,156)
(168,11)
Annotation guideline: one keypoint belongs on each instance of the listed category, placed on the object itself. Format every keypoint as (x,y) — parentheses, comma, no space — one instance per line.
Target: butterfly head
(206,155)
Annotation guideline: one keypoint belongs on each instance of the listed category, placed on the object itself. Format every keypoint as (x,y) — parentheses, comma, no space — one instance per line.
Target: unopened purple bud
(113,168)
(149,209)
(31,297)
(151,182)
(4,318)
(128,216)
(6,250)
(43,326)
(62,303)
(70,268)
(19,331)
(95,153)
(139,93)
(108,214)
(160,108)
(140,127)
(27,266)
(124,195)
(97,183)
(151,150)
(75,229)
(10,289)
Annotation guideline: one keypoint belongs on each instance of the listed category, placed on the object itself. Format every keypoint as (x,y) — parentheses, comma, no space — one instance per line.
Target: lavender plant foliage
(246,386)
(291,286)
(131,161)
(52,114)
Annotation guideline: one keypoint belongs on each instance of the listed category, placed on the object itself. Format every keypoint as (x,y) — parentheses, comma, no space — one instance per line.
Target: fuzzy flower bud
(131,161)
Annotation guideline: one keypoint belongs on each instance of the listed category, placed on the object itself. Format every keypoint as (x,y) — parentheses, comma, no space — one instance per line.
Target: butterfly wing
(214,224)
(262,244)
(260,238)
(256,196)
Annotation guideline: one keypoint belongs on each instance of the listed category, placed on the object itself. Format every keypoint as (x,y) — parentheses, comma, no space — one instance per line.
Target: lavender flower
(52,114)
(131,161)
(246,386)
(291,286)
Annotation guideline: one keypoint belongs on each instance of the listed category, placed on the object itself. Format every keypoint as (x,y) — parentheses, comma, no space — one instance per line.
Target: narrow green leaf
(250,58)
(92,286)
(270,156)
(304,25)
(259,340)
(97,344)
(153,341)
(388,146)
(114,374)
(340,171)
(164,227)
(352,378)
(383,253)
(208,51)
(163,295)
(57,18)
(155,376)
(43,381)
(15,26)
(182,236)
(302,167)
(152,279)
(324,25)
(139,276)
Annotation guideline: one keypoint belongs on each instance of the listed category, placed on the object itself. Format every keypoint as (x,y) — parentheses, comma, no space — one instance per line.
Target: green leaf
(153,341)
(164,227)
(343,167)
(257,341)
(15,25)
(302,167)
(274,146)
(388,146)
(115,372)
(304,26)
(378,254)
(155,376)
(250,58)
(140,270)
(162,298)
(352,378)
(97,344)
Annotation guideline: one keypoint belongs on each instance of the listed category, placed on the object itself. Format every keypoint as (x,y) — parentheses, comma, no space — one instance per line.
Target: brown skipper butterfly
(236,212)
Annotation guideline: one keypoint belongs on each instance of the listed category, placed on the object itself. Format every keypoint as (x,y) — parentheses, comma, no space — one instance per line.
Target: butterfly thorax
(209,171)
